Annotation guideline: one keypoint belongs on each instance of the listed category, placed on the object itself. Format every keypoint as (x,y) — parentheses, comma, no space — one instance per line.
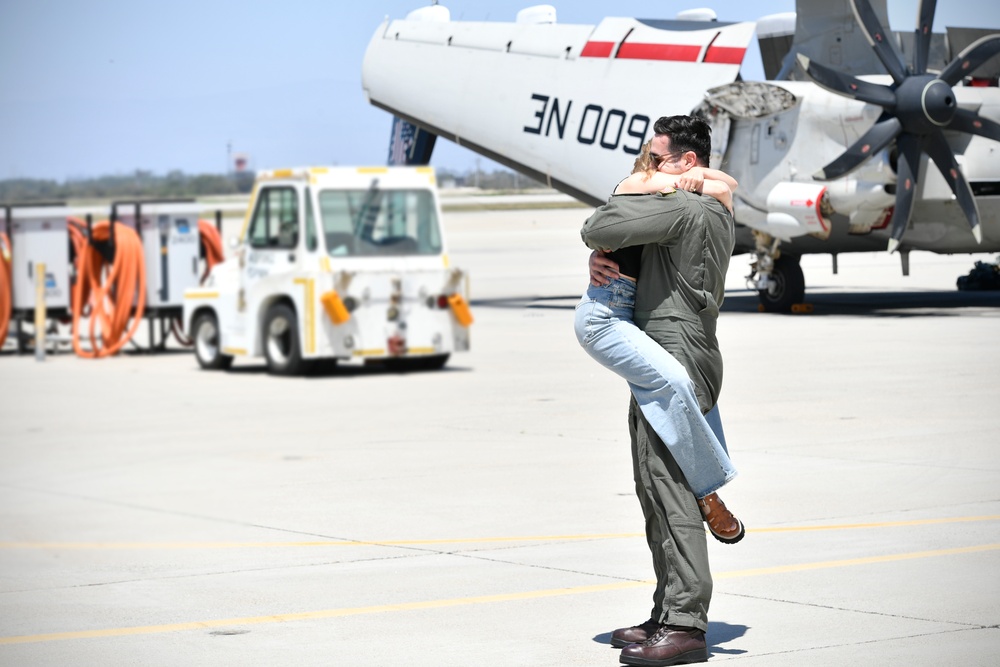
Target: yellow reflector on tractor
(334,307)
(461,309)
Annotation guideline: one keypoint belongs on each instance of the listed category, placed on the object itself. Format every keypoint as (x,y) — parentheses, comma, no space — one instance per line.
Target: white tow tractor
(345,263)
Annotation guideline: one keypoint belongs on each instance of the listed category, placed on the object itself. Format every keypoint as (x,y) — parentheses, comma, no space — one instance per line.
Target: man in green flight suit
(687,241)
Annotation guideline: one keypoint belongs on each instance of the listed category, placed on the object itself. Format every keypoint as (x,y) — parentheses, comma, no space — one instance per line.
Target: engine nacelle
(795,209)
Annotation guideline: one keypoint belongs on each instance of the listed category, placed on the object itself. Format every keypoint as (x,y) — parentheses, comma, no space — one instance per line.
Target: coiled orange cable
(110,291)
(6,288)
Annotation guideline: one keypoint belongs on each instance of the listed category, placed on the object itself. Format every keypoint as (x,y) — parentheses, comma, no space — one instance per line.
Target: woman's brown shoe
(724,526)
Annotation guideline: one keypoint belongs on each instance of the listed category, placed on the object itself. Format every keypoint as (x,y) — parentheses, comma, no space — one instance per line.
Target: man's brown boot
(670,645)
(637,633)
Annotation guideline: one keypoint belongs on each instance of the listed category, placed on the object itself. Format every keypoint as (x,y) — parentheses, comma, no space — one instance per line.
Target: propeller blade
(880,40)
(973,123)
(969,60)
(907,168)
(922,44)
(870,143)
(939,151)
(844,84)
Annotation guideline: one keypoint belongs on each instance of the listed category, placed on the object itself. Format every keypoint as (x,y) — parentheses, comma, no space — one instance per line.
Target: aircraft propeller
(917,108)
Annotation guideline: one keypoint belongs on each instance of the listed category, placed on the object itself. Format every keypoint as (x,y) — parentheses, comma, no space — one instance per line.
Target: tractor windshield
(377,222)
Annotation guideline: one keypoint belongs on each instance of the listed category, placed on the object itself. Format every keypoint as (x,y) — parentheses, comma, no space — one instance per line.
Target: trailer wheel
(205,333)
(281,341)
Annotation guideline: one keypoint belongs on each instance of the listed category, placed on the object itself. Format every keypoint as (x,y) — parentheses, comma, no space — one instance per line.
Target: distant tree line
(498,179)
(141,185)
(176,184)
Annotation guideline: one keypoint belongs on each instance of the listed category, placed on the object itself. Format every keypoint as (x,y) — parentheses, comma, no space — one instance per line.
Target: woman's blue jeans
(661,385)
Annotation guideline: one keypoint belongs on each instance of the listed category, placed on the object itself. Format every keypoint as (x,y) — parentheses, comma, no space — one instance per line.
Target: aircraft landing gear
(786,286)
(778,279)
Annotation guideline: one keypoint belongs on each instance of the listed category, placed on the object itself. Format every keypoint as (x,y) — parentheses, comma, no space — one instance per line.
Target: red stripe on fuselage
(678,52)
(688,53)
(726,55)
(597,49)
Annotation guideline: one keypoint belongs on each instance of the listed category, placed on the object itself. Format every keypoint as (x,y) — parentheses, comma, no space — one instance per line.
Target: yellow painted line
(309,299)
(458,540)
(882,524)
(234,351)
(459,602)
(373,170)
(318,543)
(314,615)
(201,295)
(849,562)
(421,350)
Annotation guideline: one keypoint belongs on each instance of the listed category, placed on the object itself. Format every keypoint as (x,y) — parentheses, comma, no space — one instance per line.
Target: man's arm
(603,269)
(628,220)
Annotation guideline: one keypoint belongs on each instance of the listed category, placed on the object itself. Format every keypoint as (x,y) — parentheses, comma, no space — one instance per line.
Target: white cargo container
(38,236)
(171,248)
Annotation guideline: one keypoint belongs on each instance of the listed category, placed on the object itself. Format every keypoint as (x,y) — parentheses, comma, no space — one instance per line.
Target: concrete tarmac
(155,514)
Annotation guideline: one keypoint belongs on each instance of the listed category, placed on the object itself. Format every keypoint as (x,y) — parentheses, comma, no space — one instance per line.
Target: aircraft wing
(570,105)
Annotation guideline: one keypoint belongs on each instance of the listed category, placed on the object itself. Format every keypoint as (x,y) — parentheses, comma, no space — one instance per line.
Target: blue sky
(97,87)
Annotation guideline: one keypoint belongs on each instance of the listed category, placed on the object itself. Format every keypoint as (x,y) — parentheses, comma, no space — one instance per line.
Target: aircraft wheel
(205,332)
(281,341)
(787,288)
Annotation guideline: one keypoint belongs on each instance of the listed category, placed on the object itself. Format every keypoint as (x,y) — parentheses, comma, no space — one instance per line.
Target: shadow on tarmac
(329,369)
(722,633)
(718,633)
(878,304)
(64,350)
(881,304)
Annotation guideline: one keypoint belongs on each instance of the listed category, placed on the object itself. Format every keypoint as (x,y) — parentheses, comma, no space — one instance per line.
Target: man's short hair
(687,133)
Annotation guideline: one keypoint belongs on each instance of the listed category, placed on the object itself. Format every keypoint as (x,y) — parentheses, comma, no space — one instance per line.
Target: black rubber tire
(282,347)
(788,288)
(205,334)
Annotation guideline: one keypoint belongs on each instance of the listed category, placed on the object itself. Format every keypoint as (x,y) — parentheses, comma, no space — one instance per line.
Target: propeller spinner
(917,107)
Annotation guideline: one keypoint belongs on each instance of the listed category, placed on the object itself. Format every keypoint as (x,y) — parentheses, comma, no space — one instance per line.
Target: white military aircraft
(833,154)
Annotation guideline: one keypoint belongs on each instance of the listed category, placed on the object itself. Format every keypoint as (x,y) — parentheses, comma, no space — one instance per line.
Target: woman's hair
(644,161)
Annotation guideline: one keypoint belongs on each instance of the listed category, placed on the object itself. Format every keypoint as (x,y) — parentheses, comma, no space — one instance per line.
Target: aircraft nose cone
(938,101)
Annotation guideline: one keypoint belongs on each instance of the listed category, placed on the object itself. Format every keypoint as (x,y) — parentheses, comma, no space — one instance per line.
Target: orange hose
(211,241)
(78,236)
(6,288)
(110,291)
